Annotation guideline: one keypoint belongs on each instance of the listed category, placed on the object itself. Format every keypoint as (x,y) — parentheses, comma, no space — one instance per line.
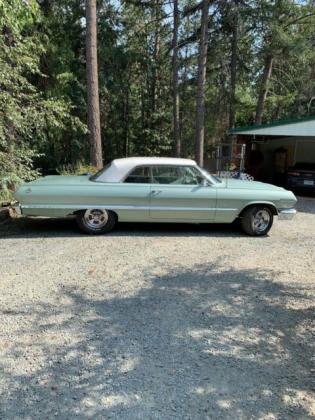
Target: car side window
(140,175)
(180,175)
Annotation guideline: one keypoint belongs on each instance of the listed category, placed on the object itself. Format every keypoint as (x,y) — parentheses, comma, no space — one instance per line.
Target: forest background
(174,76)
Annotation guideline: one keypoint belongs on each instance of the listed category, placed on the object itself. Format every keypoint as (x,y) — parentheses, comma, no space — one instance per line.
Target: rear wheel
(257,221)
(96,221)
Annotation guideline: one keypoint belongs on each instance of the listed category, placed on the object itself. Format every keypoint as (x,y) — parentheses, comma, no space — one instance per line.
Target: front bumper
(286,214)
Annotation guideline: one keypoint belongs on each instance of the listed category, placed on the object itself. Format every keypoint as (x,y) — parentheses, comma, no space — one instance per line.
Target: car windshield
(206,174)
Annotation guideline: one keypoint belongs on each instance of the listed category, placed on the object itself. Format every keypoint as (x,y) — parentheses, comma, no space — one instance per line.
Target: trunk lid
(60,180)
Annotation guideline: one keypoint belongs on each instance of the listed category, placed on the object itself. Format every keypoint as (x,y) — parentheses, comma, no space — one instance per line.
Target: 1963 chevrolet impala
(155,190)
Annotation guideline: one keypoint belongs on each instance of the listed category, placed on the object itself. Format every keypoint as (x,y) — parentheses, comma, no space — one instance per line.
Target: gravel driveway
(157,321)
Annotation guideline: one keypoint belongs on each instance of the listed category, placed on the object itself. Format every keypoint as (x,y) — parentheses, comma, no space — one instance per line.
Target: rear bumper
(301,182)
(286,214)
(16,210)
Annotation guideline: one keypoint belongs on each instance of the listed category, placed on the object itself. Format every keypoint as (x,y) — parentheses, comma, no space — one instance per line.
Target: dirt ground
(157,321)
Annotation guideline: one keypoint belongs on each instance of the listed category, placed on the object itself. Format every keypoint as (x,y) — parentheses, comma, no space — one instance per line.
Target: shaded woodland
(173,77)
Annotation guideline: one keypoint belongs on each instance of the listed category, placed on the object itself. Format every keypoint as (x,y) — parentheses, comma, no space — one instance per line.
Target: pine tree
(92,85)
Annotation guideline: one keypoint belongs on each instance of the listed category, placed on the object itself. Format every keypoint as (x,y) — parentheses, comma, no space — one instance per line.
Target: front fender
(270,204)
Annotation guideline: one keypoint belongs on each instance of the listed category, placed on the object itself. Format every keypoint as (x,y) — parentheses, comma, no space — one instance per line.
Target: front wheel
(257,221)
(96,221)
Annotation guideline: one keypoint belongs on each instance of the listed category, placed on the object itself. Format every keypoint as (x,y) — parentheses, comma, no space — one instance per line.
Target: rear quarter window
(140,175)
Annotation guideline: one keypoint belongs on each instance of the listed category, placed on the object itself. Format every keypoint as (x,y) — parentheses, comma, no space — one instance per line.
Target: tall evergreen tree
(175,85)
(92,85)
(201,83)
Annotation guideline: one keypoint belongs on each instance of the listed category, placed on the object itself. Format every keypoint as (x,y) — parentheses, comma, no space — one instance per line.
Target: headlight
(286,204)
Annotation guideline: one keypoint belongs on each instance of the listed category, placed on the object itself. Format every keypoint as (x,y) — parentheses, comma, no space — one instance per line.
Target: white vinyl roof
(119,168)
(301,128)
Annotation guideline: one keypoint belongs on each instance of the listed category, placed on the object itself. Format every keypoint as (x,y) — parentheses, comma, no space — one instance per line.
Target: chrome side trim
(121,207)
(286,214)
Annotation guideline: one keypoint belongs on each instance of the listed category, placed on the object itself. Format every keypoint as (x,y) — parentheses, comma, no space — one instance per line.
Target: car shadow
(67,227)
(208,342)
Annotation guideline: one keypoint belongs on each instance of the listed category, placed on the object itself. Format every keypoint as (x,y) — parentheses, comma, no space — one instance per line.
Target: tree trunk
(184,96)
(156,56)
(126,120)
(263,89)
(92,85)
(233,68)
(176,128)
(201,84)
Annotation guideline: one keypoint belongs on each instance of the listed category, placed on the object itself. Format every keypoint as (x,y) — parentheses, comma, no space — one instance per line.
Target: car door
(134,195)
(181,193)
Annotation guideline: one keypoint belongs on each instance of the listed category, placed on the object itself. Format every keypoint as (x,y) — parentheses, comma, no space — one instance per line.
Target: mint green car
(155,190)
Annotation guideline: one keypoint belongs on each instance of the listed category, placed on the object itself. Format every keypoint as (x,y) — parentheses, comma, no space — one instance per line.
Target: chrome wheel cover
(95,218)
(261,221)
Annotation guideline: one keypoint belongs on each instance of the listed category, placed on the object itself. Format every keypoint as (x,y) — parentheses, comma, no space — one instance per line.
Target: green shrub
(16,167)
(77,169)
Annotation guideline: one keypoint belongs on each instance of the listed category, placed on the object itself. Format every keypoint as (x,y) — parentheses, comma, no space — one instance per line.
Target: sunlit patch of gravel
(157,321)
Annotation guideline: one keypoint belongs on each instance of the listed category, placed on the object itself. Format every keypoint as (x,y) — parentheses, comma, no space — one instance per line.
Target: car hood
(248,185)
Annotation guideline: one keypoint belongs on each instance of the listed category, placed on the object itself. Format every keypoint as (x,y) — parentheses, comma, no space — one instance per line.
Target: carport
(272,148)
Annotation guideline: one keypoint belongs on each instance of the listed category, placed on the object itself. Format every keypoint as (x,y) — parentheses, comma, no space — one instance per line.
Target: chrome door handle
(156,192)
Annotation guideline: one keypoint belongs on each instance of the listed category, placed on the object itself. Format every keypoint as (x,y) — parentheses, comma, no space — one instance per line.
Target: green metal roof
(303,127)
